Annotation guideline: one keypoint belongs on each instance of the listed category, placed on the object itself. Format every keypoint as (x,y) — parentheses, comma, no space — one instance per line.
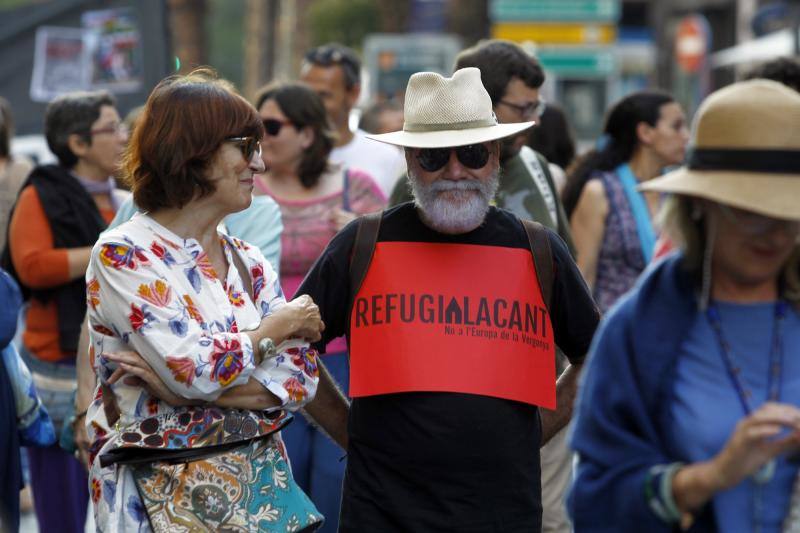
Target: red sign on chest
(452,318)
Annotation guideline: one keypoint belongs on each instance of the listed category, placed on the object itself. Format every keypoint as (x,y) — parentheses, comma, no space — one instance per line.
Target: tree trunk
(187,20)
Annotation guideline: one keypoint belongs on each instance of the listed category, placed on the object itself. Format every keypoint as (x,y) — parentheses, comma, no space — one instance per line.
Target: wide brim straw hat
(440,112)
(745,151)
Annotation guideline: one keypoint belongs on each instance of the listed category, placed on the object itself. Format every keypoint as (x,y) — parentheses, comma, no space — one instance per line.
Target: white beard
(454,207)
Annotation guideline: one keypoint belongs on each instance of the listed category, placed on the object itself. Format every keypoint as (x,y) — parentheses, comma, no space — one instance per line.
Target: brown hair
(303,107)
(499,62)
(184,122)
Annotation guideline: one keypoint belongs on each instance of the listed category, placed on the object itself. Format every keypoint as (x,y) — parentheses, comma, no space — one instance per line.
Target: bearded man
(451,334)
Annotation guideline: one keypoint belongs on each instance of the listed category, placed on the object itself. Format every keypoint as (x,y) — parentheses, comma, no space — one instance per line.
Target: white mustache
(460,185)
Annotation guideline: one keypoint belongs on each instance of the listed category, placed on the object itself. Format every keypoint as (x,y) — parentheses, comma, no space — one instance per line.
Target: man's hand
(566,389)
(84,393)
(329,408)
(81,439)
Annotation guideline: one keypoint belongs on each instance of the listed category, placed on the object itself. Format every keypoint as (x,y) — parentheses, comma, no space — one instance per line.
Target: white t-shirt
(385,163)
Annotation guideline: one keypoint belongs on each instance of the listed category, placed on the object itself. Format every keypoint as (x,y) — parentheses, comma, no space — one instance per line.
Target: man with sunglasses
(334,72)
(513,80)
(451,332)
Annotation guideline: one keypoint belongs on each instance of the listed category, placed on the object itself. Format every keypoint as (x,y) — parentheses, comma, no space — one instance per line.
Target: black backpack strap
(542,258)
(361,257)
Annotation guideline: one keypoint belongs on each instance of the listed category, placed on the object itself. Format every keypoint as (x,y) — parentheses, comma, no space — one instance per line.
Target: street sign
(691,43)
(390,59)
(580,62)
(556,33)
(554,10)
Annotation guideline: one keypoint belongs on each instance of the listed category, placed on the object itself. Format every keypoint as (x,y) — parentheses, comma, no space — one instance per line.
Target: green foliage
(344,21)
(9,4)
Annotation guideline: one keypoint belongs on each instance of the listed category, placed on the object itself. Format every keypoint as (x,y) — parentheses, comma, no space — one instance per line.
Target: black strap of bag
(539,243)
(363,250)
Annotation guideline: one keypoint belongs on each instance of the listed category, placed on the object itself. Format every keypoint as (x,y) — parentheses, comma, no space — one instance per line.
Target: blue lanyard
(774,381)
(639,209)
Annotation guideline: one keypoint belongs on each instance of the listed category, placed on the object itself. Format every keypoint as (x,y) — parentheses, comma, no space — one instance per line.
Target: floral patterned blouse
(153,292)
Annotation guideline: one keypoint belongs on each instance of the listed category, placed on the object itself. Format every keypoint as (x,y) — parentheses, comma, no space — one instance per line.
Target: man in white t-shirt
(334,72)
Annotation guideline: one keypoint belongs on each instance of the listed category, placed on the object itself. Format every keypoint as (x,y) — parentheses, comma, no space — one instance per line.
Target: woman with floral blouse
(206,313)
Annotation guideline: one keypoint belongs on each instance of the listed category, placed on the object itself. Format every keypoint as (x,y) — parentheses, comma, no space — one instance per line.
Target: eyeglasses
(117,128)
(754,224)
(247,145)
(472,156)
(529,110)
(273,126)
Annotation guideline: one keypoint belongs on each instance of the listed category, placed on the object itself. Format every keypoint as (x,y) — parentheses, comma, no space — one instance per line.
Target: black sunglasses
(472,156)
(248,146)
(273,126)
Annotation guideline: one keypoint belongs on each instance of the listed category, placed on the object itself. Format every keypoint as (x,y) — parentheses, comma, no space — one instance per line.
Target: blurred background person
(61,211)
(552,137)
(689,402)
(334,72)
(382,117)
(13,169)
(785,70)
(317,198)
(10,459)
(611,220)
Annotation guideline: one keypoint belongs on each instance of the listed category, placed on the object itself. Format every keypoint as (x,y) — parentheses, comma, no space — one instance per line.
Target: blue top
(706,406)
(622,410)
(259,225)
(10,303)
(10,466)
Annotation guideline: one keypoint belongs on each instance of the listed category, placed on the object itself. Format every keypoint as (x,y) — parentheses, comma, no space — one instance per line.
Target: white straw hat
(745,151)
(441,112)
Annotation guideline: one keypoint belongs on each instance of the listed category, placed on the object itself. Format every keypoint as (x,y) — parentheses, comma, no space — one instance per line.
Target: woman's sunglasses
(472,156)
(247,145)
(273,126)
(754,224)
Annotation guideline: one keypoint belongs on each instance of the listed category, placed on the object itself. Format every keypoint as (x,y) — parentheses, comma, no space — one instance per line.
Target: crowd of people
(442,321)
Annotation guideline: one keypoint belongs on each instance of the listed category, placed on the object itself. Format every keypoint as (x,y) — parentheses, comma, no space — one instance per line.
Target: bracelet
(79,415)
(658,492)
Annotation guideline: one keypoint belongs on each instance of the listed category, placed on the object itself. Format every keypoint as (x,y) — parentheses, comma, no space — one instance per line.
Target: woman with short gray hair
(59,213)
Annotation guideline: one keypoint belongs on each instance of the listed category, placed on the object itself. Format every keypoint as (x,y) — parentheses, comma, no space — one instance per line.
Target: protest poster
(60,63)
(113,45)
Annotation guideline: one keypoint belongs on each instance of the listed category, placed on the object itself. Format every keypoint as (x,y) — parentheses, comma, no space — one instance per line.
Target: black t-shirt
(431,461)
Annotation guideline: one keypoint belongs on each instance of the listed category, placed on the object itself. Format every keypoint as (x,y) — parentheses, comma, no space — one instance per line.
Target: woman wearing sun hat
(688,413)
